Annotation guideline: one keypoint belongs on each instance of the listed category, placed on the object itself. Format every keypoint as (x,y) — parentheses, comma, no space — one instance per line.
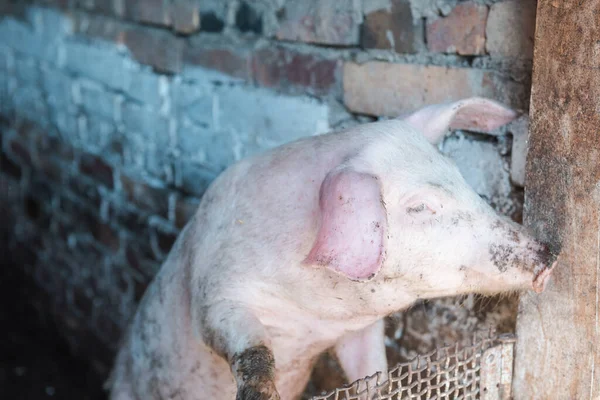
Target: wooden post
(558,332)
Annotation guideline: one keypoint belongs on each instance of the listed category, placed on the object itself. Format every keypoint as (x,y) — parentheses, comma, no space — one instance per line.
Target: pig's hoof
(262,392)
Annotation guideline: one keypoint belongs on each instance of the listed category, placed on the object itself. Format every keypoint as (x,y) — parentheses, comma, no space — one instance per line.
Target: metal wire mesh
(480,370)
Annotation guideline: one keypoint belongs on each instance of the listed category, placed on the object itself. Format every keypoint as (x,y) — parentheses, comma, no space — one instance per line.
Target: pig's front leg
(234,332)
(362,353)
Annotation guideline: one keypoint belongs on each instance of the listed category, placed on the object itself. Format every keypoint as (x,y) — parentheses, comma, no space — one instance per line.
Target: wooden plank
(558,347)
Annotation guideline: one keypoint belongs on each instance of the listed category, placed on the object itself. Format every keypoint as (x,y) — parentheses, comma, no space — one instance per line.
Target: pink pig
(309,246)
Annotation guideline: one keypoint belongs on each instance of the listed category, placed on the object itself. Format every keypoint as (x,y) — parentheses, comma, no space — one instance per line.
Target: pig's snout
(545,265)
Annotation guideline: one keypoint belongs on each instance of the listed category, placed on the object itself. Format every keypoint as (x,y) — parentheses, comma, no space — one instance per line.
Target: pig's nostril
(545,256)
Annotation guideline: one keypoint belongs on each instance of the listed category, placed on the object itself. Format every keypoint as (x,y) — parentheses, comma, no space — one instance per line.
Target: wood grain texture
(558,348)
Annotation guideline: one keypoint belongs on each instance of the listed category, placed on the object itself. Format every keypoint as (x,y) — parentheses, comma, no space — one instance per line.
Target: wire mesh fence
(480,369)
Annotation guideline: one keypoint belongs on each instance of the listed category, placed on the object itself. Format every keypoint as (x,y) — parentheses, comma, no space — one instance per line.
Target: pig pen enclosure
(115,116)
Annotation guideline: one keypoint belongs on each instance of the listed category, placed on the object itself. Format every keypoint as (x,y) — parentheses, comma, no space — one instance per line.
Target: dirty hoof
(262,392)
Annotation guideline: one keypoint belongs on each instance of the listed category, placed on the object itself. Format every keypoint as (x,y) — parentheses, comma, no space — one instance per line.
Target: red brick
(321,21)
(154,12)
(85,190)
(163,241)
(104,6)
(128,217)
(380,88)
(147,198)
(45,145)
(185,208)
(97,169)
(281,67)
(511,28)
(141,259)
(462,31)
(394,29)
(161,50)
(107,236)
(185,16)
(234,63)
(98,26)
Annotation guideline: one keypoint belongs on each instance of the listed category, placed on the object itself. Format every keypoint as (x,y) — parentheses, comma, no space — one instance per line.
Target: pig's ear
(475,113)
(353,225)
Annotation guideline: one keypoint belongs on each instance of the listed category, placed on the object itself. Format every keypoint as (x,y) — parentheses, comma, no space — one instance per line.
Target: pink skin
(310,246)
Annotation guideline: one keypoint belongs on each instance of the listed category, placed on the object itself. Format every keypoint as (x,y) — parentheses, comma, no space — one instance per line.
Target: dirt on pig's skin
(424,327)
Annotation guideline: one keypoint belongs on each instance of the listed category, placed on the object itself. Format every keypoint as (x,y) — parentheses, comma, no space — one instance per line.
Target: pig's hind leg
(362,353)
(236,334)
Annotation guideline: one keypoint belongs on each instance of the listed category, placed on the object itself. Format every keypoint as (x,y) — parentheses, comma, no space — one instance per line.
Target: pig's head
(400,214)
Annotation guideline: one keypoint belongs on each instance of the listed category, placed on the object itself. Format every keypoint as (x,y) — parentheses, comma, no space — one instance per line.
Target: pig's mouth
(542,277)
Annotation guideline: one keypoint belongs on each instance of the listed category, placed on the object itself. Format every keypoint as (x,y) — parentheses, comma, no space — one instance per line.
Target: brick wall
(117,114)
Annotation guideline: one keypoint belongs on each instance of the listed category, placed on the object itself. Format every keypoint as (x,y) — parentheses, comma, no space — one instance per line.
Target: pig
(309,246)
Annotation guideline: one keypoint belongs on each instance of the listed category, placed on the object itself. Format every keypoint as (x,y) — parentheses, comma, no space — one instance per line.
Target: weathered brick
(260,118)
(49,22)
(58,88)
(26,71)
(162,241)
(128,217)
(194,179)
(76,218)
(520,133)
(211,22)
(185,208)
(234,63)
(86,190)
(49,167)
(29,103)
(511,28)
(282,67)
(99,26)
(374,88)
(66,124)
(185,15)
(248,19)
(140,258)
(394,28)
(107,236)
(154,12)
(462,31)
(101,62)
(103,6)
(23,39)
(161,50)
(482,166)
(144,120)
(96,100)
(46,145)
(193,139)
(145,86)
(98,133)
(94,167)
(320,21)
(152,199)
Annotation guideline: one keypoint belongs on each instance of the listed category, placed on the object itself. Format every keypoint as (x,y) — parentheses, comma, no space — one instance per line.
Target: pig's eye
(420,208)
